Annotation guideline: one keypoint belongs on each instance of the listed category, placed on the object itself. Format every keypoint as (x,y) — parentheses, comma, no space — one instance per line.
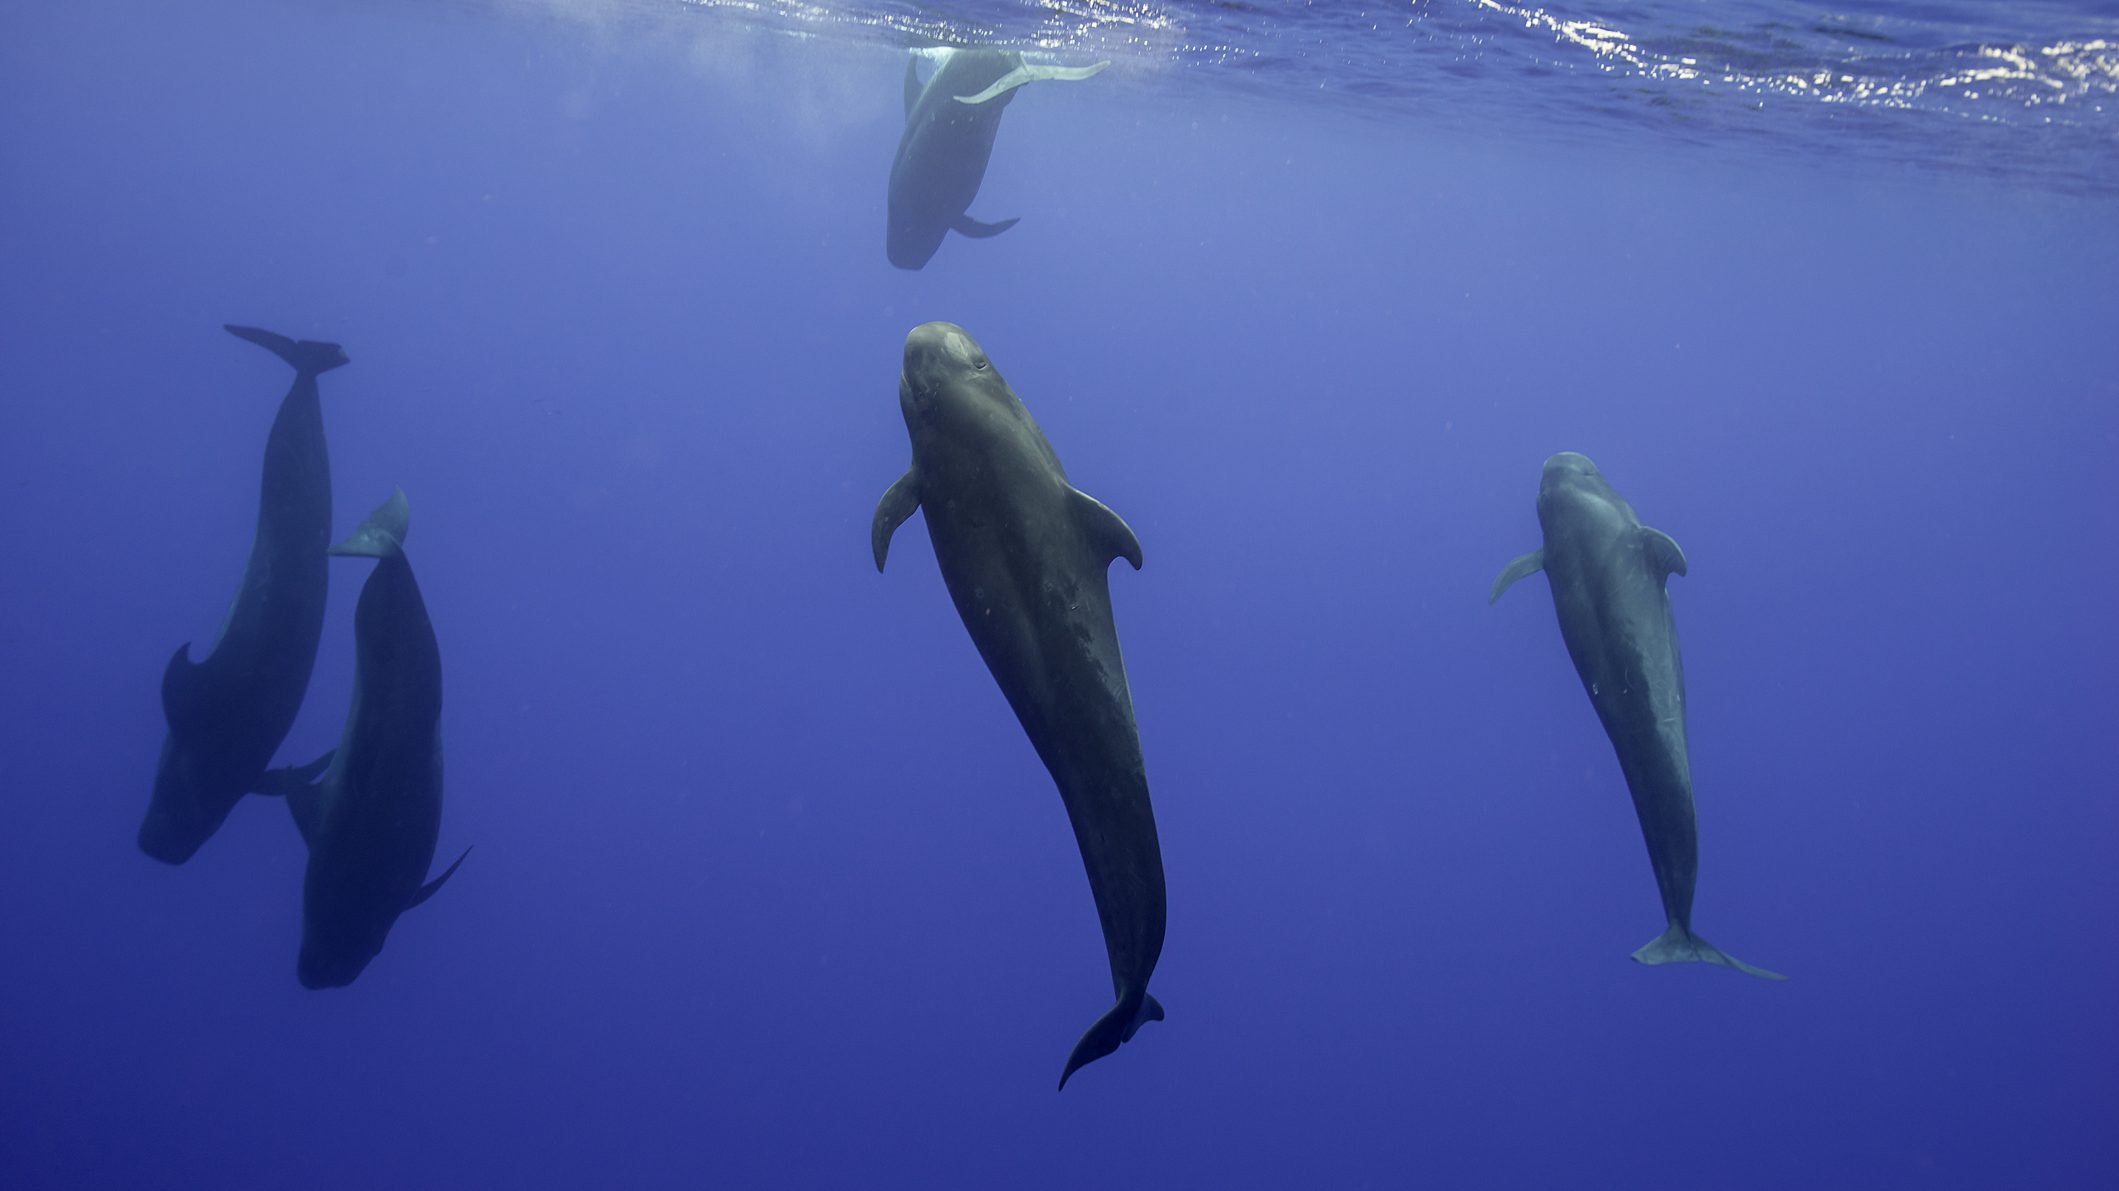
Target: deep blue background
(770,891)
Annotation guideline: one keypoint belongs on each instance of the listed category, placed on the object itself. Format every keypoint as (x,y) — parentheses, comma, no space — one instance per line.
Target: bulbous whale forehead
(937,357)
(1568,464)
(1568,480)
(1570,473)
(942,345)
(320,967)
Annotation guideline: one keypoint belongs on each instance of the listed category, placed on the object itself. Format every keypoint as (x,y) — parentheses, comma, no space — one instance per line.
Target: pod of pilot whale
(1608,574)
(1025,557)
(950,123)
(228,713)
(372,818)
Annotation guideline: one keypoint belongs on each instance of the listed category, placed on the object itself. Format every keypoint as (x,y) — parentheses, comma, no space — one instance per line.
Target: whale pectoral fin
(965,225)
(182,689)
(1663,553)
(897,504)
(1033,73)
(286,780)
(382,535)
(912,84)
(434,886)
(1107,532)
(302,787)
(1526,565)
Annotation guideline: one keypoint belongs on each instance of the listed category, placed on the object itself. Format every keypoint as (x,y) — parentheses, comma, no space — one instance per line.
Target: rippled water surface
(2024,91)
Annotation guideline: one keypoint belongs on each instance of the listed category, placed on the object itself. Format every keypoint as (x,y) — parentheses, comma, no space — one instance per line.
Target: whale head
(167,838)
(947,378)
(1570,477)
(336,947)
(1574,498)
(961,416)
(178,822)
(1567,467)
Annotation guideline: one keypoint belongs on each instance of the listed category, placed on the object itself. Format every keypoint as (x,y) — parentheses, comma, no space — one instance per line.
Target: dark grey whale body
(950,123)
(1608,574)
(1025,557)
(228,714)
(372,820)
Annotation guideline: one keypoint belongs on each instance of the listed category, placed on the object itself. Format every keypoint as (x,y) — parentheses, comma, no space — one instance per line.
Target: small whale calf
(1025,555)
(372,819)
(228,713)
(950,123)
(1608,574)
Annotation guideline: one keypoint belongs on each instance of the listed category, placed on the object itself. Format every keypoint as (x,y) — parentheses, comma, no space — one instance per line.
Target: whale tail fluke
(1117,1026)
(382,535)
(1678,945)
(306,356)
(1150,1010)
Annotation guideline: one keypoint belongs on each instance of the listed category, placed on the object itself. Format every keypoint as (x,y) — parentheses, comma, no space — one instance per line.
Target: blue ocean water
(770,891)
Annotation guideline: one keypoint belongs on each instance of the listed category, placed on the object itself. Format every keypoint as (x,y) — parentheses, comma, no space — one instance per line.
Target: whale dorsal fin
(1106,531)
(1528,564)
(897,504)
(434,886)
(912,84)
(1029,72)
(1663,554)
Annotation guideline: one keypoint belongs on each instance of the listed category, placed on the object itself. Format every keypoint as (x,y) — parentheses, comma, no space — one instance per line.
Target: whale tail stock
(1678,945)
(1116,1026)
(306,356)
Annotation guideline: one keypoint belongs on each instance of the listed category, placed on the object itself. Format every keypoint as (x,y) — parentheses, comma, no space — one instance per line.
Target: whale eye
(979,363)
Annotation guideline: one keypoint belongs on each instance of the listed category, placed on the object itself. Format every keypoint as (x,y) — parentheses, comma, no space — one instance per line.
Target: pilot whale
(371,820)
(1025,557)
(950,123)
(228,713)
(1608,574)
